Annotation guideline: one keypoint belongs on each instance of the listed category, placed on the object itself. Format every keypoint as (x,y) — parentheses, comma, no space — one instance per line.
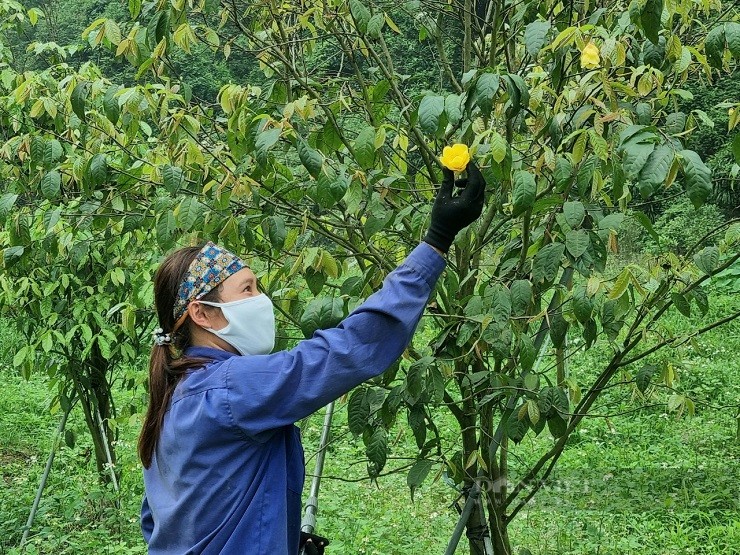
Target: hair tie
(161,338)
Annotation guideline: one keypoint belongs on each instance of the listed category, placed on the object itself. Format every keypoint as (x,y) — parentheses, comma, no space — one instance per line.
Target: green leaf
(557,426)
(165,227)
(634,157)
(574,213)
(112,31)
(360,13)
(680,302)
(110,104)
(644,376)
(97,170)
(533,411)
(515,428)
(376,450)
(11,255)
(500,303)
(315,280)
(558,328)
(417,422)
(47,152)
(535,35)
(702,301)
(310,158)
(70,438)
(321,313)
(375,26)
(589,333)
(7,201)
(698,177)
(418,474)
(675,123)
(736,147)
(582,305)
(364,147)
(585,176)
(78,98)
(188,213)
(674,402)
(546,263)
(358,410)
(158,27)
(134,8)
(415,378)
(521,296)
(265,141)
(498,337)
(527,353)
(330,189)
(655,171)
(51,217)
(577,242)
(707,259)
(499,147)
(611,323)
(430,110)
(714,46)
(51,184)
(275,226)
(643,110)
(378,216)
(732,36)
(20,356)
(524,193)
(172,178)
(453,108)
(650,19)
(486,88)
(547,400)
(518,94)
(620,284)
(563,172)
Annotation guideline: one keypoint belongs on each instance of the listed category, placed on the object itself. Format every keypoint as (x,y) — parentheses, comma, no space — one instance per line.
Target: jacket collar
(209,352)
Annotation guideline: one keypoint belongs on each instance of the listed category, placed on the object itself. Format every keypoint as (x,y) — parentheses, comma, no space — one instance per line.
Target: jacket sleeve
(267,392)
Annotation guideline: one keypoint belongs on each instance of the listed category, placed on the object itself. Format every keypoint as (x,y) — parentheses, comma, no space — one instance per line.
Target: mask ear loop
(180,321)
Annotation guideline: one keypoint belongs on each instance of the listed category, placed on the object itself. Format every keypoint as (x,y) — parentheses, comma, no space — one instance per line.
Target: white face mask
(251,327)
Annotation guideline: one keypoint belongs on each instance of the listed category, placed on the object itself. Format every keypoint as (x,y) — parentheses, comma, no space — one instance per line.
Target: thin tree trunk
(95,398)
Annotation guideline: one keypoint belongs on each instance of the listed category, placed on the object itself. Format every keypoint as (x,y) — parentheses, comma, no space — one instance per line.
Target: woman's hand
(452,214)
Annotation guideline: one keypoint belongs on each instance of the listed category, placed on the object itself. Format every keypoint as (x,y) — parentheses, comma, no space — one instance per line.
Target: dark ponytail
(166,364)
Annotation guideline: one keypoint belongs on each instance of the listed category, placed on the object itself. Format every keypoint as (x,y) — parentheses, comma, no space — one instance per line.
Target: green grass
(639,481)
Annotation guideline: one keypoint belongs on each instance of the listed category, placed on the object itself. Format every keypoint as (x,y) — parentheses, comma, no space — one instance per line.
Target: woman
(223,460)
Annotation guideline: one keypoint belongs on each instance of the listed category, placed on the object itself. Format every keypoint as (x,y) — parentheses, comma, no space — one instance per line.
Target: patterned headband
(211,266)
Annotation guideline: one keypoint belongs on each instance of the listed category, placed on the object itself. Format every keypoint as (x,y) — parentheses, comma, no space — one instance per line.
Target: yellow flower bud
(455,157)
(590,58)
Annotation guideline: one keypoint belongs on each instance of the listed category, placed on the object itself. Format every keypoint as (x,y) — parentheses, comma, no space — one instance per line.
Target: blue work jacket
(228,470)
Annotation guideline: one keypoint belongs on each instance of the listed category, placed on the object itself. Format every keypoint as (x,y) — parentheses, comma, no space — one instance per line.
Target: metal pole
(308,524)
(487,545)
(45,476)
(464,516)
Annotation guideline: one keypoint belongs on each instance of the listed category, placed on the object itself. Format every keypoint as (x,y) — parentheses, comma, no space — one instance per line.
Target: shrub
(678,228)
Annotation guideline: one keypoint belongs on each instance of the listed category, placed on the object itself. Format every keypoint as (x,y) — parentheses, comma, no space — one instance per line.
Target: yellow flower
(455,157)
(590,58)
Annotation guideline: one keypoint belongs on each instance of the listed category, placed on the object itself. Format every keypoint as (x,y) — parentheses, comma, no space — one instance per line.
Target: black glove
(451,214)
(313,547)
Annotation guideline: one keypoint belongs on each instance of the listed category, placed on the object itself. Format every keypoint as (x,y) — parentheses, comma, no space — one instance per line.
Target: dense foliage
(324,168)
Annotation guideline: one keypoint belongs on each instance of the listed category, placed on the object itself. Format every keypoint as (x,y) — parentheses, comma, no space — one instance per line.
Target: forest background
(579,360)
